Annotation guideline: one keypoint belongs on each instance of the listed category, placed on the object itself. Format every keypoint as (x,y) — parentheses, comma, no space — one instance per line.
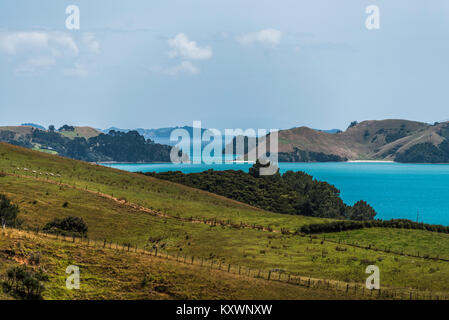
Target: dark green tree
(361,211)
(8,212)
(71,226)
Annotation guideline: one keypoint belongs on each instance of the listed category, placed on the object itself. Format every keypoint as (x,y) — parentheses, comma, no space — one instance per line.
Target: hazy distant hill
(161,135)
(88,144)
(398,140)
(38,126)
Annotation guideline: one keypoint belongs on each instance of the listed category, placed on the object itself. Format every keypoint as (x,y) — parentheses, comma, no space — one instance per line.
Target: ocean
(419,192)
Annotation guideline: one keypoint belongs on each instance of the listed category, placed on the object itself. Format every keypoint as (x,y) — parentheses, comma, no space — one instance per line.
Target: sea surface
(411,191)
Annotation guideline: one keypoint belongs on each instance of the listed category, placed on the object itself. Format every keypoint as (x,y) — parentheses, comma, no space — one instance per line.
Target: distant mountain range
(392,140)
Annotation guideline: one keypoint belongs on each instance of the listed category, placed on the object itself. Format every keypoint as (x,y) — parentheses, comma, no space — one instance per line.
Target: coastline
(371,161)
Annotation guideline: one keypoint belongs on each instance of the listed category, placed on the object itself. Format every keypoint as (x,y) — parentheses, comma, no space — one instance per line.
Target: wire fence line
(226,223)
(278,275)
(418,254)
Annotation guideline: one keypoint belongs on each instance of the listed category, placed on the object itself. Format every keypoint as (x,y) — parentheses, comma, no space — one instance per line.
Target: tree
(361,211)
(352,124)
(51,128)
(25,282)
(70,226)
(8,212)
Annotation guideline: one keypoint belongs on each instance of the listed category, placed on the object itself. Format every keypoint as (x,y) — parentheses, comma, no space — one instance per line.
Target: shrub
(346,225)
(25,283)
(361,211)
(8,212)
(70,226)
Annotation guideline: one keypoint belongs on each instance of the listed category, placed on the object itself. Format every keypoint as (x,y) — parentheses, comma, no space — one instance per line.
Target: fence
(355,290)
(227,223)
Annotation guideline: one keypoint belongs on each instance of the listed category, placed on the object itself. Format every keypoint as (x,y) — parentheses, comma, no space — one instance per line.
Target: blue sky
(230,64)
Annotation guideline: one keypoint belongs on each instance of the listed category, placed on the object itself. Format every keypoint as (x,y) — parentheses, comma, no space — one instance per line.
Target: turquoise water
(394,190)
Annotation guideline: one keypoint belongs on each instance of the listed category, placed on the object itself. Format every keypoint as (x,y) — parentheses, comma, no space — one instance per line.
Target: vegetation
(154,213)
(425,153)
(338,226)
(295,193)
(8,212)
(361,211)
(114,146)
(298,155)
(25,283)
(71,226)
(115,274)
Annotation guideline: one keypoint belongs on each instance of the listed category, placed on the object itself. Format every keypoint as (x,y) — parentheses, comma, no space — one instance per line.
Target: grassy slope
(111,274)
(167,197)
(251,248)
(81,132)
(411,242)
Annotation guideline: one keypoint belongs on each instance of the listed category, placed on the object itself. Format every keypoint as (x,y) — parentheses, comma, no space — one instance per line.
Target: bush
(338,226)
(8,212)
(25,283)
(70,226)
(361,211)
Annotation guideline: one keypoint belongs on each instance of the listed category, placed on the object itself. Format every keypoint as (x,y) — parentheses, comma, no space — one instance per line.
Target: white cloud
(56,43)
(267,37)
(78,70)
(184,66)
(30,66)
(182,47)
(92,44)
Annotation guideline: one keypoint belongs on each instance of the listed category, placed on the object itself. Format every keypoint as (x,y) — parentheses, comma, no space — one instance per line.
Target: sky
(229,64)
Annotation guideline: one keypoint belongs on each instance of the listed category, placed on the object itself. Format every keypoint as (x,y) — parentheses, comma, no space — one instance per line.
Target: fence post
(269,275)
(229,267)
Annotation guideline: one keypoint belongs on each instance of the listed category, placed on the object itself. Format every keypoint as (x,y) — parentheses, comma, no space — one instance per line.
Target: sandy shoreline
(371,161)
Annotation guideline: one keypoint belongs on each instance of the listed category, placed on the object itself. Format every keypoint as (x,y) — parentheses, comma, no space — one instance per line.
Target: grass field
(41,201)
(415,242)
(110,274)
(170,198)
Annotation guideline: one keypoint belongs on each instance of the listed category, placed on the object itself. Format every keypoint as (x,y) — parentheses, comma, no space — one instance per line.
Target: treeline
(295,193)
(339,226)
(114,146)
(425,153)
(299,155)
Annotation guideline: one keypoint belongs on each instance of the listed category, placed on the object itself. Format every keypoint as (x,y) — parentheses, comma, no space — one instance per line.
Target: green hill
(128,209)
(88,144)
